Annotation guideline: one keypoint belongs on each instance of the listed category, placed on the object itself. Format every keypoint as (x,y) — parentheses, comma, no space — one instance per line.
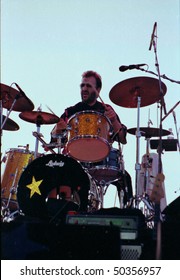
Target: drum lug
(76,120)
(69,127)
(98,131)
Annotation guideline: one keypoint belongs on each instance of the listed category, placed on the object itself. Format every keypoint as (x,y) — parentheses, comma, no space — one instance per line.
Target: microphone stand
(157,220)
(162,76)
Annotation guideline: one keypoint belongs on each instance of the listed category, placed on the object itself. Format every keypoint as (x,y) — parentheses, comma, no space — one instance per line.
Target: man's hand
(59,127)
(110,113)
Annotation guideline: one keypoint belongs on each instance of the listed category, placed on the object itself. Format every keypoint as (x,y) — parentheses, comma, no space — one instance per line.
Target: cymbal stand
(2,123)
(138,135)
(37,141)
(9,111)
(39,121)
(147,163)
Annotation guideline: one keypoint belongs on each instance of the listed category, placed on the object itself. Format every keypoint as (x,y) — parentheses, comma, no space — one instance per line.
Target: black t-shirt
(81,106)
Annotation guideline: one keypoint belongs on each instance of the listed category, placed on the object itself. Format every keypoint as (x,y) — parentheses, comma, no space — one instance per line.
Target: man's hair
(94,74)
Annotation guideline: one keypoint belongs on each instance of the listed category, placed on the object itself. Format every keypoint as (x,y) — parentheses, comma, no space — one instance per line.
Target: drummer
(90,88)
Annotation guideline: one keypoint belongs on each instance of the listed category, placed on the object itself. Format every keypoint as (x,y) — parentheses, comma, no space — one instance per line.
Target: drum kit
(90,160)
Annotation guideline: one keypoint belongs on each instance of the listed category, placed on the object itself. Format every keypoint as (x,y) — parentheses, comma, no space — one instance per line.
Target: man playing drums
(87,114)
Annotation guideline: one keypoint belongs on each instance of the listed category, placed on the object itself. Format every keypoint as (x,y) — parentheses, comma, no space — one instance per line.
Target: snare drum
(107,170)
(89,136)
(16,162)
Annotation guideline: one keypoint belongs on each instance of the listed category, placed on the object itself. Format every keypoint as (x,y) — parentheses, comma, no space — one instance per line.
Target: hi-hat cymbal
(9,124)
(9,95)
(39,117)
(149,132)
(125,93)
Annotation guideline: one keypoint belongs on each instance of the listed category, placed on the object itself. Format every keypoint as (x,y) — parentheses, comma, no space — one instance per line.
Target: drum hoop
(90,112)
(104,167)
(22,151)
(114,149)
(88,136)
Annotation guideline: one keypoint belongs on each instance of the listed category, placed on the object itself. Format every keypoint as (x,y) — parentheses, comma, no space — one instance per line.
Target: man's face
(89,93)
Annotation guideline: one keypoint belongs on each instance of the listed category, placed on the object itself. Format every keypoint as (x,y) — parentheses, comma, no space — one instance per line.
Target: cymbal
(39,117)
(9,95)
(126,92)
(9,124)
(149,132)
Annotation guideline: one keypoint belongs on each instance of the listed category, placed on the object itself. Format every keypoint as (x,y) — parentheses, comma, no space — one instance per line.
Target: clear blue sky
(47,45)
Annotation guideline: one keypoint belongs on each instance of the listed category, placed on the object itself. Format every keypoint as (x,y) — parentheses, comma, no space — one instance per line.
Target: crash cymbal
(126,92)
(9,94)
(39,117)
(9,124)
(149,132)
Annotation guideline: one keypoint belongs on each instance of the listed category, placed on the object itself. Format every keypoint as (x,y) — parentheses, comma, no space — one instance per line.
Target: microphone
(130,67)
(21,91)
(153,35)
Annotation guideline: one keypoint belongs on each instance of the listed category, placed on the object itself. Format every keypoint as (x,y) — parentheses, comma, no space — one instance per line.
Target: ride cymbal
(39,117)
(9,124)
(149,132)
(126,93)
(9,95)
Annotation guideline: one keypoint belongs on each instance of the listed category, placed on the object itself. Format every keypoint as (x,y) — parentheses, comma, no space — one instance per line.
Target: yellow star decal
(34,187)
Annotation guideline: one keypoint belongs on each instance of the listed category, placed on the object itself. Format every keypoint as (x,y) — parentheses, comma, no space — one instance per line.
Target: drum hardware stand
(13,188)
(6,213)
(145,197)
(157,219)
(9,111)
(2,123)
(39,137)
(59,141)
(10,216)
(122,193)
(103,186)
(138,135)
(38,125)
(147,163)
(5,208)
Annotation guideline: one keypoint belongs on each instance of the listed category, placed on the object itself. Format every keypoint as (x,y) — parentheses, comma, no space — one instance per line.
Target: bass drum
(42,176)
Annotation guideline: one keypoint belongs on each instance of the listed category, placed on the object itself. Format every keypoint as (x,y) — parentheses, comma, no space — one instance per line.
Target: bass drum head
(43,175)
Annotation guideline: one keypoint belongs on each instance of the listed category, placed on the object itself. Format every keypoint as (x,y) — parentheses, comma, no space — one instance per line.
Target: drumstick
(103,102)
(51,111)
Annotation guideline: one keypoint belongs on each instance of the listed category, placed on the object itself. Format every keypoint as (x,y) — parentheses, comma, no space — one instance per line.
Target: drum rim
(84,136)
(90,112)
(104,167)
(25,151)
